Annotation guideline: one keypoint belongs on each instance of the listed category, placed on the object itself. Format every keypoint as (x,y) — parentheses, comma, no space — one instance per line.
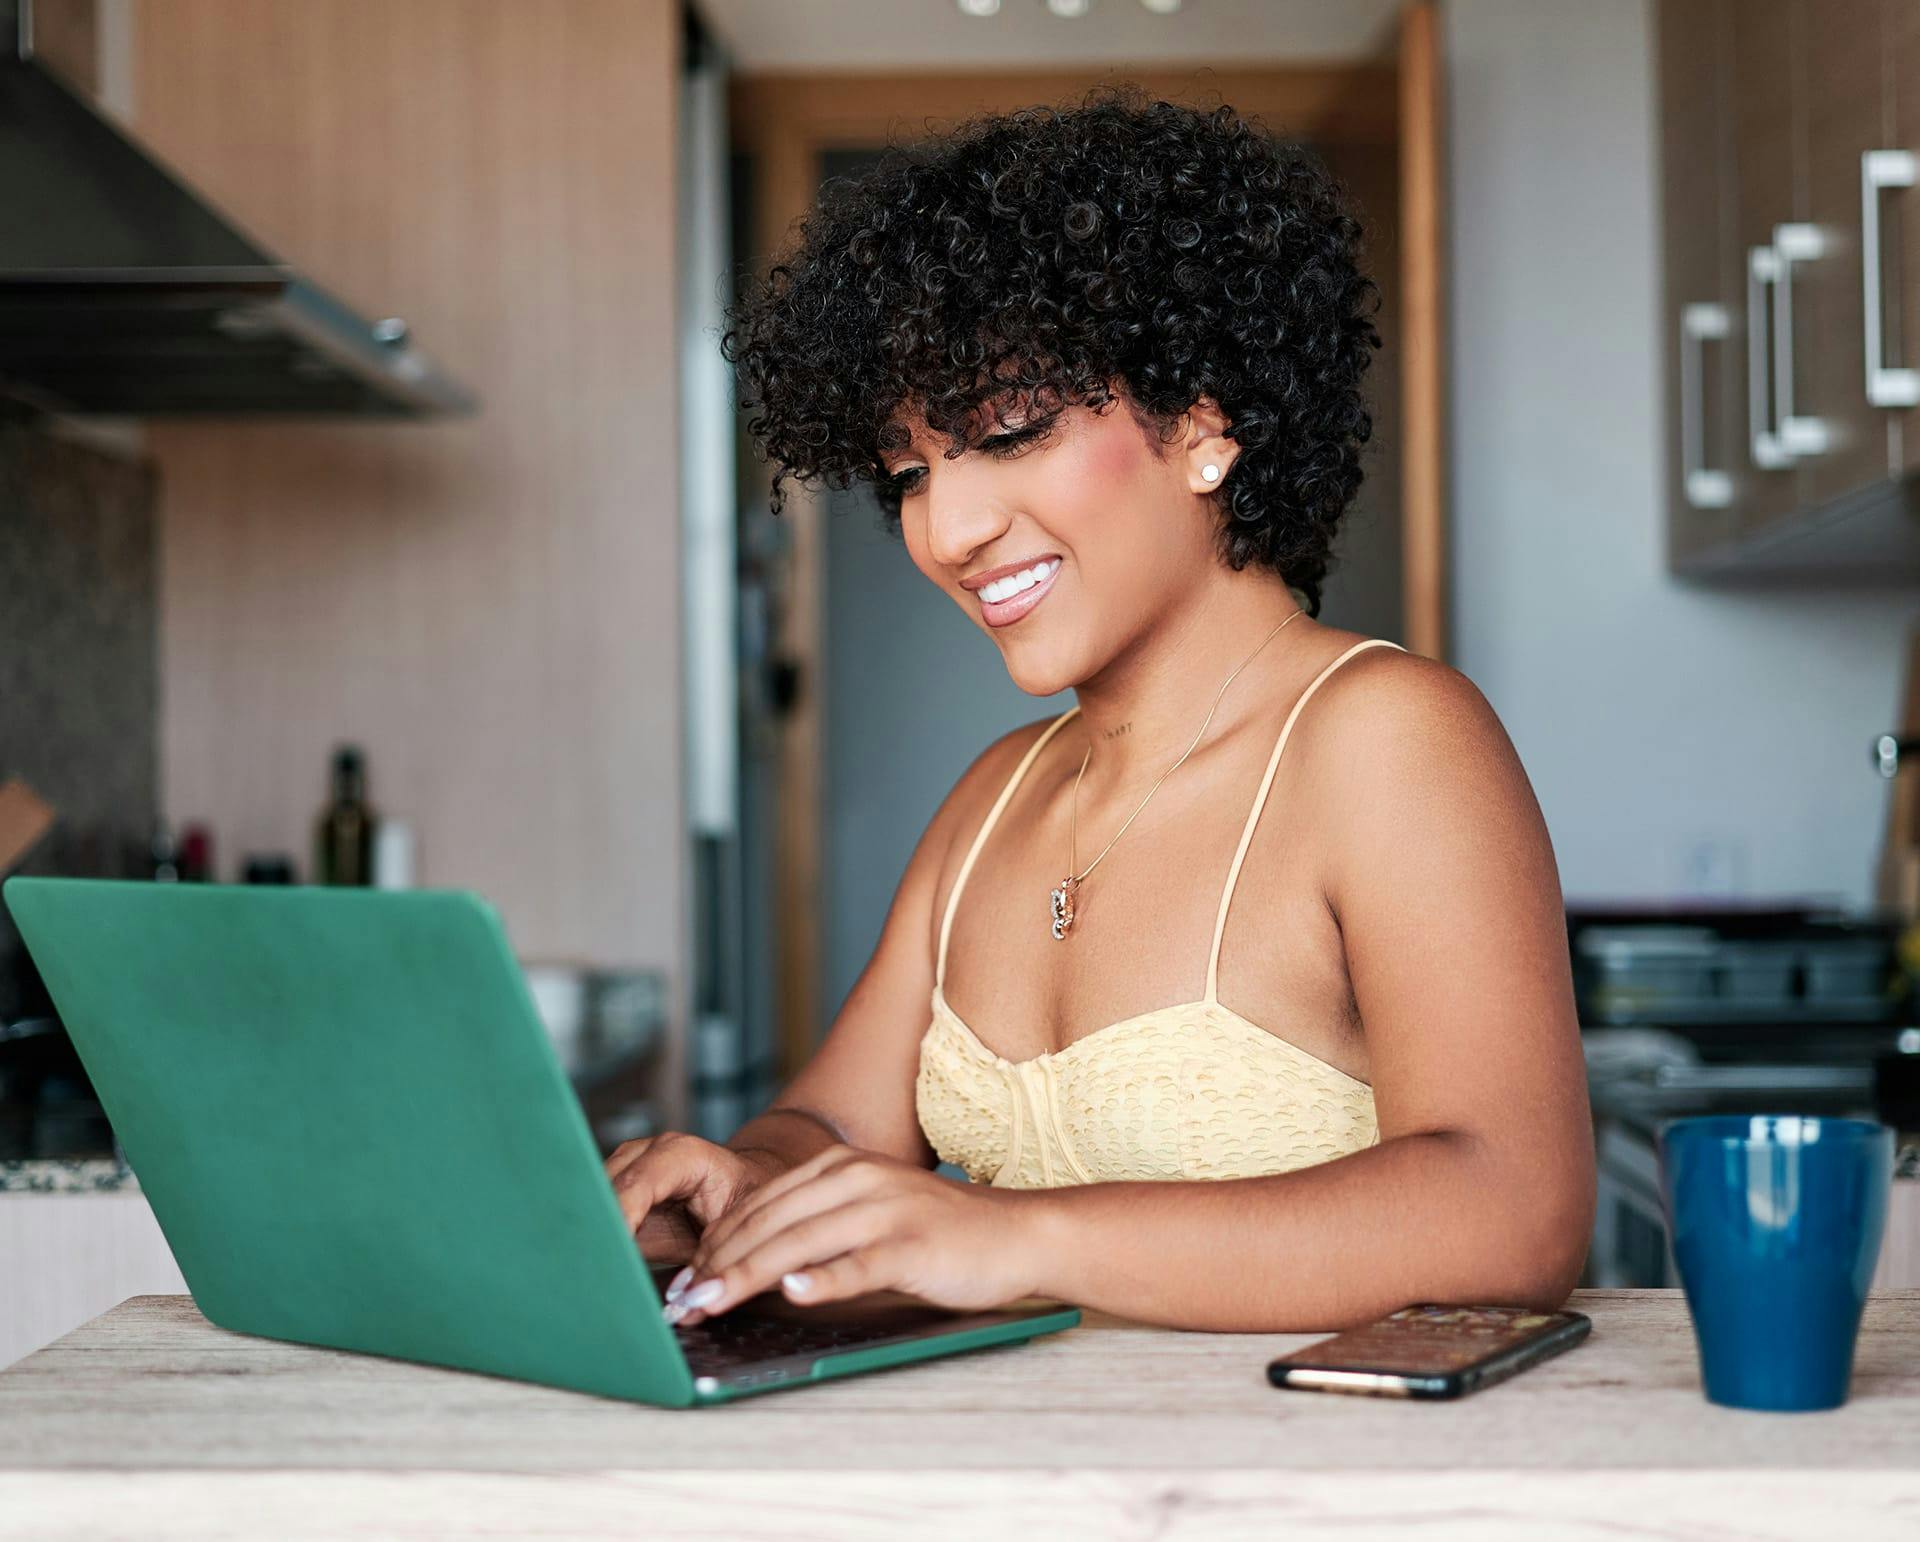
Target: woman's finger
(811,1241)
(668,1170)
(805,1172)
(760,1217)
(775,1189)
(878,1267)
(626,1154)
(667,1236)
(736,1237)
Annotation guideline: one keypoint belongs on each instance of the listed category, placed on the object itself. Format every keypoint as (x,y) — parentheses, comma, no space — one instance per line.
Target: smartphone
(1431,1351)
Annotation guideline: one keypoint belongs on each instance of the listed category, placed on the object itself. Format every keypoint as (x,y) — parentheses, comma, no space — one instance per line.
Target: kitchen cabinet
(1899,213)
(1765,110)
(1697,200)
(1789,132)
(1842,54)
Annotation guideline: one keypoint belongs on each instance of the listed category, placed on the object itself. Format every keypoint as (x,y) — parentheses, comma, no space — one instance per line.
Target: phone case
(1431,1351)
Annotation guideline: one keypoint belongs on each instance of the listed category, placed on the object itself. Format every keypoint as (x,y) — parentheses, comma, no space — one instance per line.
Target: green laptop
(354,1132)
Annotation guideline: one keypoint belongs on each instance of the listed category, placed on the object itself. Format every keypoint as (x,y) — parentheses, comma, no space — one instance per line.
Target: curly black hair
(1117,246)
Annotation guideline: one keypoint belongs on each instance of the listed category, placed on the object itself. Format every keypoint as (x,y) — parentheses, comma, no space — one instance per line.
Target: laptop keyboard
(769,1328)
(739,1338)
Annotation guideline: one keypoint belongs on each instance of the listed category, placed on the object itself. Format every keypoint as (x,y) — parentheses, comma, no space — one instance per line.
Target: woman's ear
(1209,453)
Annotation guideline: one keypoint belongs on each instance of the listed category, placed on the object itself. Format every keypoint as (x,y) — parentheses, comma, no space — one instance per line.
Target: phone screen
(1430,1350)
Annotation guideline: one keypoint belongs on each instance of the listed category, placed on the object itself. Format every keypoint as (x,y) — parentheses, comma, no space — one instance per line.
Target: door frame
(788,122)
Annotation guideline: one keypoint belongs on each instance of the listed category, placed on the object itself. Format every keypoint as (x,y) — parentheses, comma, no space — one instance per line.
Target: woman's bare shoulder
(1407,749)
(1394,703)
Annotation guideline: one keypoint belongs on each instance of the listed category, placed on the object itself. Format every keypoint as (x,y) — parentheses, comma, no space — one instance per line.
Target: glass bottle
(343,837)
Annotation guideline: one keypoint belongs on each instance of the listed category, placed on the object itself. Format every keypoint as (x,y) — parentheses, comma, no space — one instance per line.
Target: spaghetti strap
(1259,802)
(993,816)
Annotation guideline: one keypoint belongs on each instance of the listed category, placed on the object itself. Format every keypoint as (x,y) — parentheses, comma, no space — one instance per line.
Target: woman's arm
(857,1089)
(1441,878)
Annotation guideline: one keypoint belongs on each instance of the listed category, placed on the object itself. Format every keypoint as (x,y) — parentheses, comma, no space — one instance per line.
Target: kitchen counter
(68,1175)
(76,1236)
(150,1419)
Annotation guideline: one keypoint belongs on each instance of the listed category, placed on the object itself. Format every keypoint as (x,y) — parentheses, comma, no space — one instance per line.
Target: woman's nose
(960,523)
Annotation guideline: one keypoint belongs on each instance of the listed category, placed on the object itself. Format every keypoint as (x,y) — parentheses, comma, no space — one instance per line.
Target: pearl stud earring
(1209,473)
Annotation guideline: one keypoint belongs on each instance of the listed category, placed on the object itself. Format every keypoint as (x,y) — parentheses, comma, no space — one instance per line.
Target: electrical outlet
(1709,867)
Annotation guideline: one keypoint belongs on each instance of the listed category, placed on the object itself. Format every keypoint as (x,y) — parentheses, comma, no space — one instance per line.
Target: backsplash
(79,681)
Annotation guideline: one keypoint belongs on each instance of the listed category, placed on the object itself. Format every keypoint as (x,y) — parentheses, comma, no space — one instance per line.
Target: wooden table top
(1108,1429)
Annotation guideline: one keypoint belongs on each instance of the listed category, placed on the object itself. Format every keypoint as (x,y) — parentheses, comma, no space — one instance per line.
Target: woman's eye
(1004,446)
(903,484)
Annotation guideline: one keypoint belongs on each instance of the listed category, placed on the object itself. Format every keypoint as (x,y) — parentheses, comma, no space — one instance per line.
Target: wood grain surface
(149,1414)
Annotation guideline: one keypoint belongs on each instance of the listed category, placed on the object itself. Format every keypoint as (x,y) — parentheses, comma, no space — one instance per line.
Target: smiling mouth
(999,613)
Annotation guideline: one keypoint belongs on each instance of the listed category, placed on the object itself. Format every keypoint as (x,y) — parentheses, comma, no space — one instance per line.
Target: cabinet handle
(1699,324)
(1881,169)
(1798,435)
(1763,271)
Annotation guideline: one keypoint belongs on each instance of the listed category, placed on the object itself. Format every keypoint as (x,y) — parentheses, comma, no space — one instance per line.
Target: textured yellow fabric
(1181,1092)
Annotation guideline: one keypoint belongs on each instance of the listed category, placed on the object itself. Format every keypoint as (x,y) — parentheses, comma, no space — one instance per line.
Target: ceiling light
(977,7)
(1068,7)
(1161,7)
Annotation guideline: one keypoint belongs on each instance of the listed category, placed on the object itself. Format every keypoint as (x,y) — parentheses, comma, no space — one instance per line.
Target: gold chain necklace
(1061,899)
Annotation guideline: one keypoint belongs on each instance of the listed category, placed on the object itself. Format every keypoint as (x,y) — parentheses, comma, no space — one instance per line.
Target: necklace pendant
(1062,900)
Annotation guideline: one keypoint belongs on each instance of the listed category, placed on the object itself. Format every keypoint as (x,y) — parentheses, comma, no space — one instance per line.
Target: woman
(1243,1073)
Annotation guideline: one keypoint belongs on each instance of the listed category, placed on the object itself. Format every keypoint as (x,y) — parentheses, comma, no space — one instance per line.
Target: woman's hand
(672,1187)
(846,1222)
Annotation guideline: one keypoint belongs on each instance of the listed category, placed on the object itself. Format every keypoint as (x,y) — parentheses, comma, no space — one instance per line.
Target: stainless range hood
(124,292)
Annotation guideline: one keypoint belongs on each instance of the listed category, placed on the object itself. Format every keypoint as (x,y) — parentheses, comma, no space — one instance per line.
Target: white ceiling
(933,34)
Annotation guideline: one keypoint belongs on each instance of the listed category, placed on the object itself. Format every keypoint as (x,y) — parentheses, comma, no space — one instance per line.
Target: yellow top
(1192,1090)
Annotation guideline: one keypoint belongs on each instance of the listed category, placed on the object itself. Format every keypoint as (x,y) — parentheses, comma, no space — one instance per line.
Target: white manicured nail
(673,1312)
(704,1294)
(799,1284)
(679,1283)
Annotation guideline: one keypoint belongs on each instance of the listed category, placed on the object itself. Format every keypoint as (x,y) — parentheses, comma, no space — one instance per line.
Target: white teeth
(1006,588)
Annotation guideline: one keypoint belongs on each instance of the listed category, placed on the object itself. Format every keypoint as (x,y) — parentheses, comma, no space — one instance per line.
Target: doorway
(860,764)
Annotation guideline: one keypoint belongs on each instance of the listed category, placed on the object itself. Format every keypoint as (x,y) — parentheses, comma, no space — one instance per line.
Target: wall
(1365,589)
(78,663)
(1678,738)
(491,605)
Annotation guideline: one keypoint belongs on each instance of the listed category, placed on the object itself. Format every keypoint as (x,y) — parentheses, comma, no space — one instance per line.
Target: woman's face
(1110,518)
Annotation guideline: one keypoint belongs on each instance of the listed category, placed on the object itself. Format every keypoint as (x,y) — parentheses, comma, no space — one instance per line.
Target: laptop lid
(351,1125)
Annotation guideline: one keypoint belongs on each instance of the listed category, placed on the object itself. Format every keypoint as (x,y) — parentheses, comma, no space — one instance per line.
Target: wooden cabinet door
(1842,57)
(1765,104)
(1899,213)
(1702,295)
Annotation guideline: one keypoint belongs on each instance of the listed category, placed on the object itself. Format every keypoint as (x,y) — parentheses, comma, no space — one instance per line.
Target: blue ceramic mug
(1776,1221)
